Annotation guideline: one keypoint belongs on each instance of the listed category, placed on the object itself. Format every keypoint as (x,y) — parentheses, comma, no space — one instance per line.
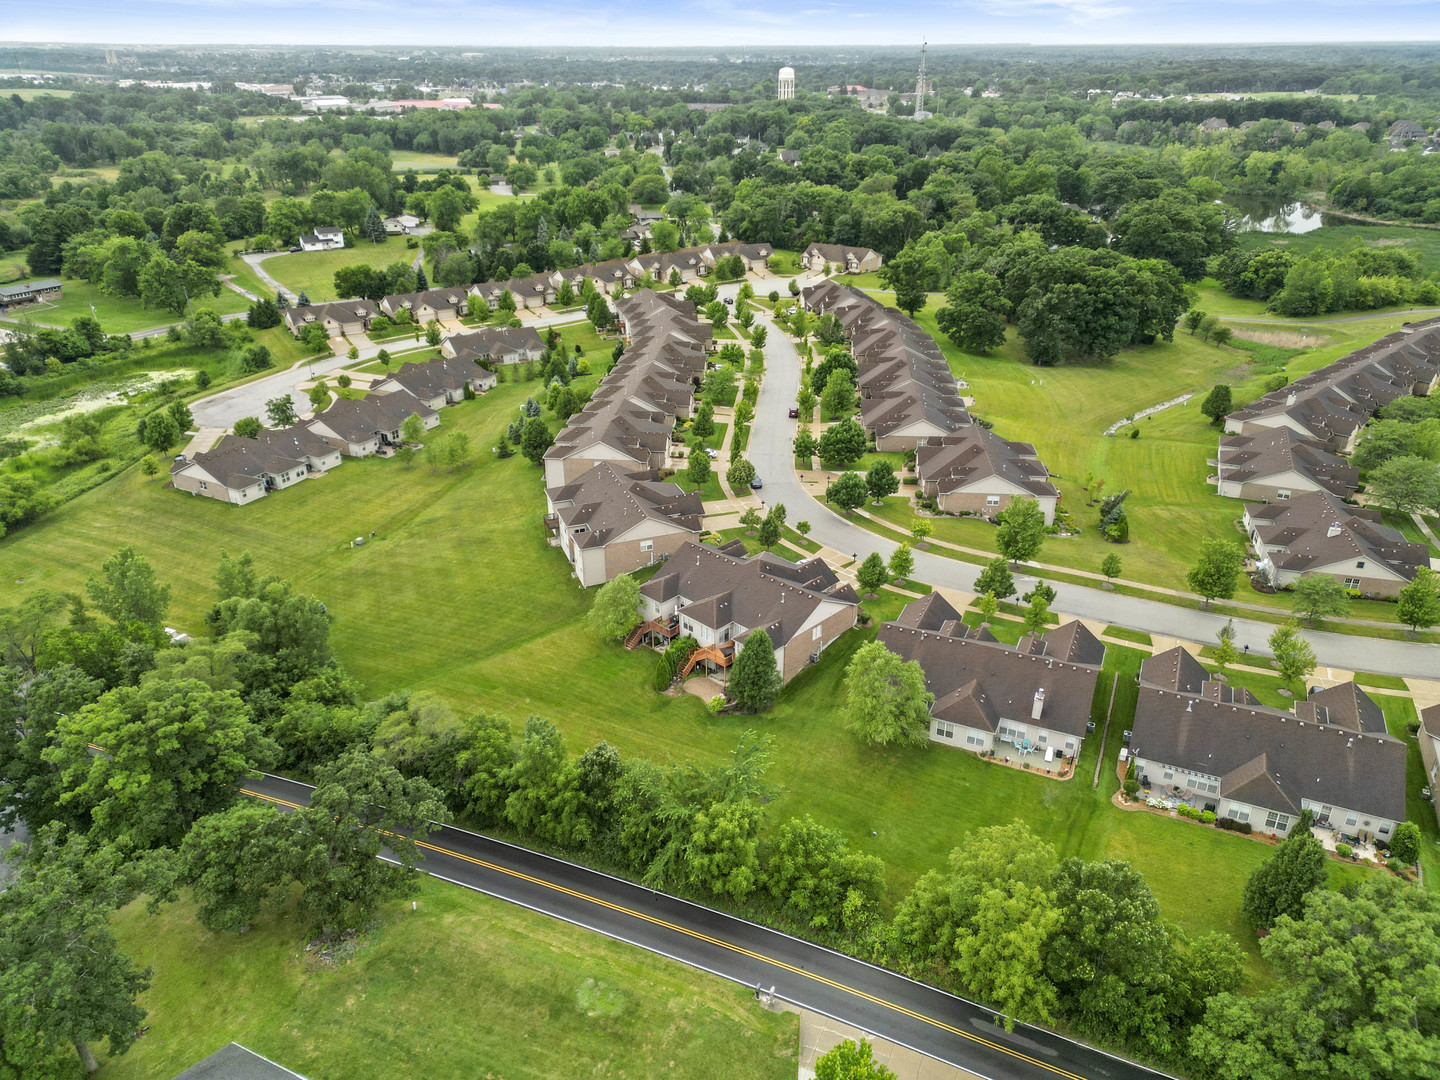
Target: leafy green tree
(1036,614)
(247,427)
(1318,596)
(740,474)
(770,529)
(990,919)
(161,432)
(987,605)
(1280,885)
(842,444)
(535,440)
(538,781)
(1226,653)
(885,697)
(1407,484)
(810,870)
(1405,844)
(722,856)
(319,396)
(237,861)
(1214,573)
(1419,601)
(974,313)
(838,397)
(1217,403)
(280,412)
(902,563)
(848,1060)
(881,480)
(754,677)
(616,608)
(173,753)
(996,579)
(1020,530)
(697,468)
(1110,566)
(703,426)
(912,273)
(64,983)
(1353,995)
(848,491)
(872,573)
(805,444)
(1292,653)
(127,593)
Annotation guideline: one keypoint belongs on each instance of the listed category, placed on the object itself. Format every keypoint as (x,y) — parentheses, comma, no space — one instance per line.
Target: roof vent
(1334,529)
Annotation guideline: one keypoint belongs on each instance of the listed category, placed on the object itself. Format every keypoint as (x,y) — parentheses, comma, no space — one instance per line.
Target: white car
(712,454)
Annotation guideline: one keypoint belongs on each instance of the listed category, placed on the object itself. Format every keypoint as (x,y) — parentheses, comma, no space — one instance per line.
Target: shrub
(716,703)
(1231,825)
(1207,817)
(1132,788)
(1345,851)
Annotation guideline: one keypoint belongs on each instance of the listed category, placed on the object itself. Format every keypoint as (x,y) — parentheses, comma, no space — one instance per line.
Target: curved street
(878,1001)
(770,450)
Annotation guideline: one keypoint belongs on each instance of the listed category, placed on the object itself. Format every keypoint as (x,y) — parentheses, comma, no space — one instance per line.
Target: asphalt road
(879,1001)
(770,451)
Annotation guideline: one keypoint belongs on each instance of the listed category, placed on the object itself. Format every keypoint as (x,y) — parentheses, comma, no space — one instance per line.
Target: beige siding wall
(797,652)
(626,555)
(958,502)
(1369,586)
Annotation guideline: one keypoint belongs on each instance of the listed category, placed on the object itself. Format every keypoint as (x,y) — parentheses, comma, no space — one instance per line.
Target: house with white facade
(324,238)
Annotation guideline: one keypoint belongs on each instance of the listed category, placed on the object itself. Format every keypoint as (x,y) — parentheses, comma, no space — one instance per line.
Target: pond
(1293,218)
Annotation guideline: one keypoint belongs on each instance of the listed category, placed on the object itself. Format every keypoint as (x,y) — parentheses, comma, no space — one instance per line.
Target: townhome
(495,345)
(841,258)
(238,471)
(979,473)
(1333,403)
(439,304)
(437,383)
(721,597)
(908,394)
(1255,764)
(629,419)
(1273,464)
(360,427)
(301,444)
(1314,532)
(1033,698)
(324,238)
(609,522)
(340,319)
(529,292)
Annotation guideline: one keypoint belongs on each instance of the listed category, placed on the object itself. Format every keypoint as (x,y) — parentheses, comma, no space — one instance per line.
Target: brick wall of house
(797,652)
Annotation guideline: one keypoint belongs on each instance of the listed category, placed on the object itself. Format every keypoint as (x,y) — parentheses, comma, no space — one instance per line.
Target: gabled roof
(339,311)
(241,463)
(989,682)
(1344,705)
(1314,529)
(494,340)
(1323,762)
(762,592)
(1258,455)
(971,458)
(606,503)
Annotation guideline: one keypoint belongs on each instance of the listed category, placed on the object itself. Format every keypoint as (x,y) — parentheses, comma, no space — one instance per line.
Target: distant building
(787,83)
(29,292)
(324,238)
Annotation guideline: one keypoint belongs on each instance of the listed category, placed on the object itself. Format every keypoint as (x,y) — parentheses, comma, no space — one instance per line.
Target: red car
(794,412)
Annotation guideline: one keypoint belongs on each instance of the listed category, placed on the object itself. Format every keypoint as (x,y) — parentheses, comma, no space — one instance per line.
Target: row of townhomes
(1216,747)
(719,596)
(345,317)
(1285,451)
(243,471)
(606,505)
(1032,698)
(911,400)
(841,259)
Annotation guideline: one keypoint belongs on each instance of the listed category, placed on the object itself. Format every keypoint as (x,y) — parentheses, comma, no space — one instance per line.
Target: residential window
(1352,583)
(1384,830)
(1169,774)
(1282,495)
(1350,820)
(647,545)
(974,740)
(815,633)
(992,500)
(1043,737)
(1359,564)
(1069,744)
(204,486)
(1275,822)
(944,730)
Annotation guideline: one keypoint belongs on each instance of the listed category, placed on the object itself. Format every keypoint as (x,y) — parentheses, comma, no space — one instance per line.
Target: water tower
(787,83)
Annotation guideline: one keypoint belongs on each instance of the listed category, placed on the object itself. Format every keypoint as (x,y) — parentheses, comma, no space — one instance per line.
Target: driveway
(256,262)
(770,450)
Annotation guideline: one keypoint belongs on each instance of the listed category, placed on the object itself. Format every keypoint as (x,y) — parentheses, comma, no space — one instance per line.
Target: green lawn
(119,315)
(313,272)
(463,987)
(1337,238)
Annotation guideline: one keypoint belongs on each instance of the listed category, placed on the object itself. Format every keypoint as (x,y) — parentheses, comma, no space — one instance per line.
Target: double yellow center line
(721,944)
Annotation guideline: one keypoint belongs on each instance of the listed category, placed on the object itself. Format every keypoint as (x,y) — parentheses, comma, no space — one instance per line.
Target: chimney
(1039,705)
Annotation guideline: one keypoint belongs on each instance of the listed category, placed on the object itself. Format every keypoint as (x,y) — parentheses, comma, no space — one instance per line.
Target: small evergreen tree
(872,573)
(754,677)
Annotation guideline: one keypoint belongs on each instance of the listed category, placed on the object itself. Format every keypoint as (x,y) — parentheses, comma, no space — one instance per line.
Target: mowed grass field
(313,272)
(464,986)
(459,593)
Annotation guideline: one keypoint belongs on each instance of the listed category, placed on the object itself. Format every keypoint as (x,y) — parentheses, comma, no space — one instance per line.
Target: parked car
(730,300)
(794,412)
(756,484)
(711,453)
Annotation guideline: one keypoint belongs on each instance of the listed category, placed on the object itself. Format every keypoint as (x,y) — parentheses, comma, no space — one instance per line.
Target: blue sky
(749,22)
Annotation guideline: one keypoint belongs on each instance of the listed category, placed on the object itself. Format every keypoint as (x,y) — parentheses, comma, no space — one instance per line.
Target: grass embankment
(464,986)
(118,315)
(313,272)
